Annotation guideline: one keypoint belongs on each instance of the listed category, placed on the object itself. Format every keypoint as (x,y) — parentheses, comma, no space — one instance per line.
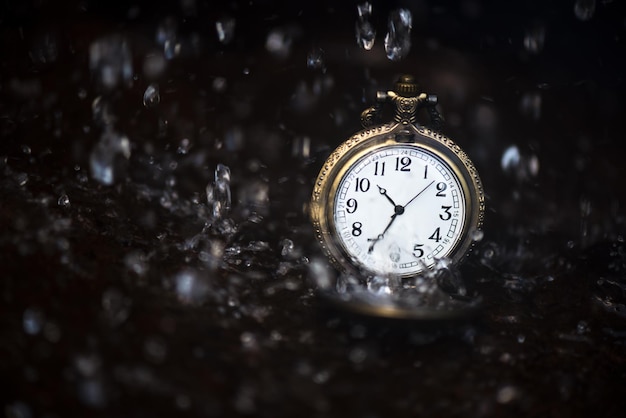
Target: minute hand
(422,191)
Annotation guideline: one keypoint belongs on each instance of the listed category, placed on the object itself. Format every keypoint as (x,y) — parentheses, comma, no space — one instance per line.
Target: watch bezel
(369,140)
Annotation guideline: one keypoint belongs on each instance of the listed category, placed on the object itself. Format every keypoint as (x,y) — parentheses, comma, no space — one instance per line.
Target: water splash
(365,32)
(398,37)
(218,192)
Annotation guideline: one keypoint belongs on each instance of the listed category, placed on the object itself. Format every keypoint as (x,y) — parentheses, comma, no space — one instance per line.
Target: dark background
(94,321)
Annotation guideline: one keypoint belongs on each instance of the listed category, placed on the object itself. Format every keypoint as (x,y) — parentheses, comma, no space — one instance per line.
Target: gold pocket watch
(396,198)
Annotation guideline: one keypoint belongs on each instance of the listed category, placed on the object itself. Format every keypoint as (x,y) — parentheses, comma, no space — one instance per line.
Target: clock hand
(384,193)
(421,191)
(399,210)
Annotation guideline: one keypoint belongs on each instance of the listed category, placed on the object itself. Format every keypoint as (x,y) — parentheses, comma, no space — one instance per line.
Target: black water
(132,299)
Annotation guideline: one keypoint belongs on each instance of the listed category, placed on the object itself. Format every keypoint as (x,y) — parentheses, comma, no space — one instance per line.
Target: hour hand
(384,193)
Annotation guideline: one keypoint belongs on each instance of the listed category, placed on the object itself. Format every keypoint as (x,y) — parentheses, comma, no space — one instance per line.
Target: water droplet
(365,32)
(218,192)
(116,306)
(219,84)
(111,61)
(320,273)
(507,394)
(166,30)
(258,246)
(398,37)
(155,349)
(288,248)
(45,50)
(21,179)
(510,158)
(225,30)
(52,332)
(32,321)
(365,35)
(535,38)
(26,149)
(521,338)
(154,65)
(171,49)
(477,235)
(379,286)
(364,10)
(136,262)
(190,287)
(184,146)
(91,392)
(582,327)
(151,96)
(104,160)
(101,112)
(522,167)
(234,139)
(584,9)
(167,37)
(315,59)
(87,365)
(18,410)
(530,105)
(301,147)
(278,43)
(64,201)
(358,355)
(249,341)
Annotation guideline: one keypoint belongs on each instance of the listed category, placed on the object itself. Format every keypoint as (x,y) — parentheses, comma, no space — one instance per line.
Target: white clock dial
(398,209)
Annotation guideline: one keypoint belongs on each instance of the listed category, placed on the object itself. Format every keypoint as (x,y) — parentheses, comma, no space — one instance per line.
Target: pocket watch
(395,198)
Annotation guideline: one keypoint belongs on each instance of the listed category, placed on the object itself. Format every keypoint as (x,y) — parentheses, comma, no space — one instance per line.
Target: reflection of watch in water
(395,198)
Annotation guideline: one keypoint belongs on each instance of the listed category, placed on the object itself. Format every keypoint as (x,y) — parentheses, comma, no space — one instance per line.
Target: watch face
(398,209)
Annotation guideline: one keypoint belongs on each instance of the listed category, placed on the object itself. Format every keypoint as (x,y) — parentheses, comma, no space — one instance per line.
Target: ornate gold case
(406,131)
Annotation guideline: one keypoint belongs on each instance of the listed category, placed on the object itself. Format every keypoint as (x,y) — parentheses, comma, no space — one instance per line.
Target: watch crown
(406,86)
